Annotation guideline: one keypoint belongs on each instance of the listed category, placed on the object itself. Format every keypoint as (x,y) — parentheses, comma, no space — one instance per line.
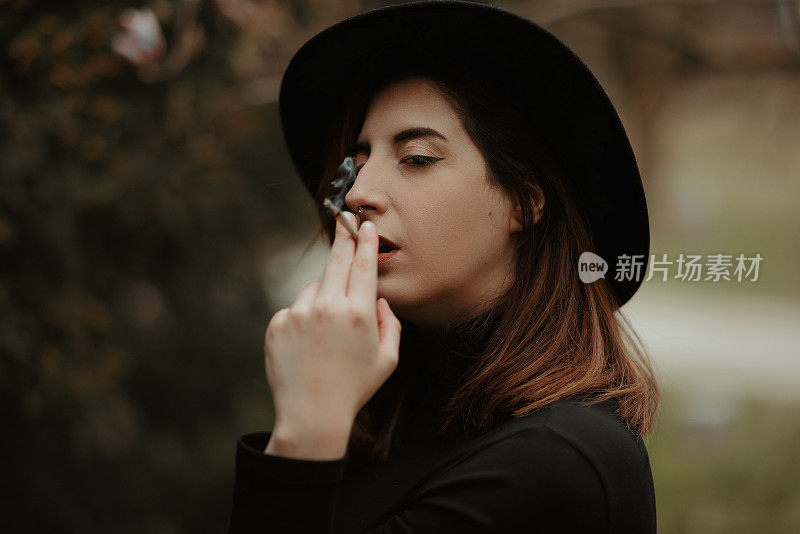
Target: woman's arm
(327,441)
(531,482)
(280,494)
(324,357)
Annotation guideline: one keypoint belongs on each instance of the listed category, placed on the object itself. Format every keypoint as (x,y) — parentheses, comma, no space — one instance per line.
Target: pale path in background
(705,343)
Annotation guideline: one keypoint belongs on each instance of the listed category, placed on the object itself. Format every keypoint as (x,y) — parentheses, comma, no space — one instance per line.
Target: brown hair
(557,337)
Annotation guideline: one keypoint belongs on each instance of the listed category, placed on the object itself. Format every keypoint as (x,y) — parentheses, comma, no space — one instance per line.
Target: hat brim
(551,85)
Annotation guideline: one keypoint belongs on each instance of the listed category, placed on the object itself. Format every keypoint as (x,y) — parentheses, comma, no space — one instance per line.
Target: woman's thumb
(388,328)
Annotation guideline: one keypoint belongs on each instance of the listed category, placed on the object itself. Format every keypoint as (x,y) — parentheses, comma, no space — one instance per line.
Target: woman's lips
(386,256)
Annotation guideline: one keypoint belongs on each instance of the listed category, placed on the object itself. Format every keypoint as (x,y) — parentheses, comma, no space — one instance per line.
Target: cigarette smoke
(346,178)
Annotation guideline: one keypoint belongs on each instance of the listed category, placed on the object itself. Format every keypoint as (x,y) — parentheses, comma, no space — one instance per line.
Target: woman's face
(423,182)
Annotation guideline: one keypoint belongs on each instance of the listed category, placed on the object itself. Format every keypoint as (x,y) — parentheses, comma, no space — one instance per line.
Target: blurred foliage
(133,220)
(734,473)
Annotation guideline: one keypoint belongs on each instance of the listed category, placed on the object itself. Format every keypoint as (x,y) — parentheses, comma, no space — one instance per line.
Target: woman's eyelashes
(414,161)
(421,161)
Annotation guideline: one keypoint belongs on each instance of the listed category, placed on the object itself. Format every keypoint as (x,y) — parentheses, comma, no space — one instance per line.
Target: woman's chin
(388,290)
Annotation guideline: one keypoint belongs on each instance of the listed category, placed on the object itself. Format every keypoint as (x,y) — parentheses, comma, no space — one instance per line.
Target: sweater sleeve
(281,494)
(533,482)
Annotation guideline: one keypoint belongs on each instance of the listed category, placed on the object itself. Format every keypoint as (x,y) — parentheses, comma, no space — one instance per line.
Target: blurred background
(151,224)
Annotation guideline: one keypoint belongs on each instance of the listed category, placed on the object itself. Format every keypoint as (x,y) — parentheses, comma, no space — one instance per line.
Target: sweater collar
(439,359)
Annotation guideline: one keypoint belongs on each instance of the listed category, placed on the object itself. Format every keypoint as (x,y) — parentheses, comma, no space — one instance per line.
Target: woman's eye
(418,161)
(414,161)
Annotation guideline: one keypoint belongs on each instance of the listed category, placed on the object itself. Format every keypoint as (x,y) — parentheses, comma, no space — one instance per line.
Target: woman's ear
(537,205)
(516,219)
(537,199)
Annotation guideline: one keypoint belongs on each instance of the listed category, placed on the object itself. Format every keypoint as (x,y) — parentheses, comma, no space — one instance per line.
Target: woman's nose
(367,190)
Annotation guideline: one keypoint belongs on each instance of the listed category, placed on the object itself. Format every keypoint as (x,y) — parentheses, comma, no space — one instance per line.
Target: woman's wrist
(329,443)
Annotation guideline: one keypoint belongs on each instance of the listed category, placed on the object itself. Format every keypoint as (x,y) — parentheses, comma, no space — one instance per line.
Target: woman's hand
(328,353)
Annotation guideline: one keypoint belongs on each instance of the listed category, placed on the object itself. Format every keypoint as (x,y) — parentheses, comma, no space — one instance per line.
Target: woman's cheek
(446,266)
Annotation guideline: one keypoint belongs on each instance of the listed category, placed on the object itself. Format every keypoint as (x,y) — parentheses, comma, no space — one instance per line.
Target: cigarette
(336,212)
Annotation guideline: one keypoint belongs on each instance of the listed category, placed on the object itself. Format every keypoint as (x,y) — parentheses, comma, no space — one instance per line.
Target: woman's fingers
(363,285)
(389,329)
(306,295)
(352,268)
(337,268)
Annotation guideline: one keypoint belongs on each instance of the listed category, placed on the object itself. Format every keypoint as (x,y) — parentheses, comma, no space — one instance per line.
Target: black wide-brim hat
(554,91)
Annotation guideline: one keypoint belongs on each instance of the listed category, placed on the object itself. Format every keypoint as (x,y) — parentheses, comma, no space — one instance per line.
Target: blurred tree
(134,215)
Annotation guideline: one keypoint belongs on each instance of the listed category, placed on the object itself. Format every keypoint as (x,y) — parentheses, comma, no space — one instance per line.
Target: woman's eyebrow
(409,133)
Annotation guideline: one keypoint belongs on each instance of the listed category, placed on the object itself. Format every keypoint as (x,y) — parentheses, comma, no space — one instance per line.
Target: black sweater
(565,468)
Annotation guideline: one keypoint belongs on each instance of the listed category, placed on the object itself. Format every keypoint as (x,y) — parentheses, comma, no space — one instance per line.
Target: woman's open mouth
(386,249)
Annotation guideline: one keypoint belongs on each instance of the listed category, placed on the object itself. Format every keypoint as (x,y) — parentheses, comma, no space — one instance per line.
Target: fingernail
(368,226)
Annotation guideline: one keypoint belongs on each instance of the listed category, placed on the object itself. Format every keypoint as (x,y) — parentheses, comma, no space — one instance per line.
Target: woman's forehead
(407,105)
(413,93)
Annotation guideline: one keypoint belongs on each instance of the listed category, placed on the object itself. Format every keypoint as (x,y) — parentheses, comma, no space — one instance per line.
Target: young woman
(451,372)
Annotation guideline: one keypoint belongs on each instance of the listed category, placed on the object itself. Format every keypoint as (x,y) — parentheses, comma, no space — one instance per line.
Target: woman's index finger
(363,285)
(337,268)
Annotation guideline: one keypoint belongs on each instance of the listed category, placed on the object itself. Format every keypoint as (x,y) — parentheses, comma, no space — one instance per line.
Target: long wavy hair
(558,337)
